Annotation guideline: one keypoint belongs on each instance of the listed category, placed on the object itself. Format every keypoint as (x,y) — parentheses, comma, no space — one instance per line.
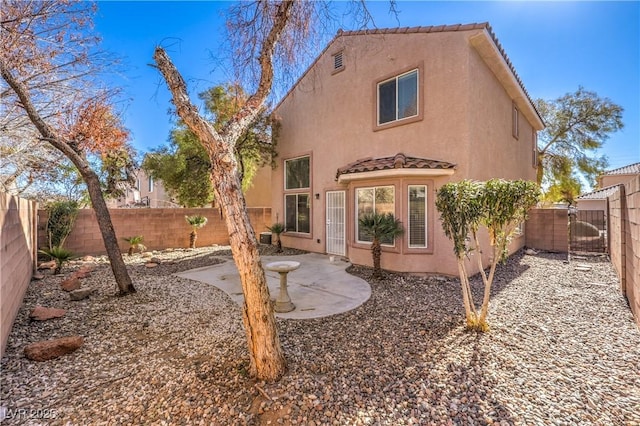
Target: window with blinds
(417,220)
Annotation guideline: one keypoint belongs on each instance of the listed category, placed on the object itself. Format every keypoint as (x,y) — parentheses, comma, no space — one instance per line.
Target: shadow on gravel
(402,355)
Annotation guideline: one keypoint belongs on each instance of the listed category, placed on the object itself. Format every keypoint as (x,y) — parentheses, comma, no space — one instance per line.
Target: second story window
(398,97)
(297,173)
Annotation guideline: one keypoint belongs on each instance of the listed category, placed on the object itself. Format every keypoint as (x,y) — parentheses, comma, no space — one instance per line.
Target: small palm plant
(380,227)
(135,243)
(60,254)
(277,229)
(196,222)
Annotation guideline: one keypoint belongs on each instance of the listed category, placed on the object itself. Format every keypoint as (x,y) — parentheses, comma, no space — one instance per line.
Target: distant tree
(380,227)
(564,189)
(49,62)
(184,166)
(195,222)
(577,124)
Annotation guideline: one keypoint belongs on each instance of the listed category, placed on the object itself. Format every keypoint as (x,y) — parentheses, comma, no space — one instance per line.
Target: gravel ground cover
(562,350)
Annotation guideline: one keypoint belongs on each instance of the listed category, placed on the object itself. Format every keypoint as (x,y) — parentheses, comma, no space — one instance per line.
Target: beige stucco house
(621,175)
(608,183)
(380,121)
(149,192)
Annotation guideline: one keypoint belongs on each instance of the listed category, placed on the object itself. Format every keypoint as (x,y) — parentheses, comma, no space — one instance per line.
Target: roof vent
(337,61)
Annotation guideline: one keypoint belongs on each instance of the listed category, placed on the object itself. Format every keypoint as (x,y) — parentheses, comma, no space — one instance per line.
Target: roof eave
(486,47)
(386,173)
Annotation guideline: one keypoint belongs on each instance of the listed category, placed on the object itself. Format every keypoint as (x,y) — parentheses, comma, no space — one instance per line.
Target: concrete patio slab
(318,288)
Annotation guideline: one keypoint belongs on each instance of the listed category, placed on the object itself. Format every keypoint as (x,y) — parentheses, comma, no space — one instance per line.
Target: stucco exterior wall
(609,180)
(465,118)
(161,228)
(17,253)
(624,222)
(592,205)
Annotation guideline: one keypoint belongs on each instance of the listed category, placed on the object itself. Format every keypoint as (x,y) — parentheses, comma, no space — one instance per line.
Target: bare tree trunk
(120,273)
(467,297)
(192,239)
(267,360)
(91,179)
(265,352)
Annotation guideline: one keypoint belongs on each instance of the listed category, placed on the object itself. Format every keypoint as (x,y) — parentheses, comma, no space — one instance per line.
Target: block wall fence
(161,228)
(624,244)
(17,257)
(548,229)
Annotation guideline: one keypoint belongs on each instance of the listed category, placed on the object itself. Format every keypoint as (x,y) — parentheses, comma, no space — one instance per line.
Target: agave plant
(380,227)
(277,229)
(135,243)
(60,254)
(196,222)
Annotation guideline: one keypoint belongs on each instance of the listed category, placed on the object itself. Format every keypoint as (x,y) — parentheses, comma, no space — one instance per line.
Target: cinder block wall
(624,217)
(161,228)
(548,229)
(17,254)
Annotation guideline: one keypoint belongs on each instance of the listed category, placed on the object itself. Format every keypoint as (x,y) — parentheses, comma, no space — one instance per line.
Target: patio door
(336,229)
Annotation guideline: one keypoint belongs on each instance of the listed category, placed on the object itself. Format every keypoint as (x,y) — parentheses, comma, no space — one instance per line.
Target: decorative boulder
(40,313)
(70,284)
(81,294)
(51,349)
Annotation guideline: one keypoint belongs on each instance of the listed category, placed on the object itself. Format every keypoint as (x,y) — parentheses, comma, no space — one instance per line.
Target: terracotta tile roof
(599,194)
(625,170)
(398,161)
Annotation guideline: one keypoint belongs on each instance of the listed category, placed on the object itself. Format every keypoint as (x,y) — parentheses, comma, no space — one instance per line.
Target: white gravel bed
(563,349)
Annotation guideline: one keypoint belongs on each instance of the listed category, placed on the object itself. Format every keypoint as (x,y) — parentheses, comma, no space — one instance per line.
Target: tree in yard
(277,229)
(380,227)
(135,243)
(184,166)
(499,206)
(577,124)
(266,37)
(60,255)
(196,222)
(564,189)
(49,65)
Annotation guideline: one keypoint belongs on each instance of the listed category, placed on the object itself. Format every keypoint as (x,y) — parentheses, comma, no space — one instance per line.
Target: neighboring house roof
(434,29)
(398,161)
(599,194)
(631,169)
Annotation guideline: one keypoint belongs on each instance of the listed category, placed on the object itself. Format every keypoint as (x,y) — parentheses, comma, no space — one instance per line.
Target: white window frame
(357,227)
(415,70)
(426,217)
(297,194)
(285,173)
(150,184)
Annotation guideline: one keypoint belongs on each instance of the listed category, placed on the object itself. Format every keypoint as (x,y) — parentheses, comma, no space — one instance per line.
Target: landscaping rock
(37,276)
(84,272)
(530,252)
(88,259)
(40,313)
(51,349)
(70,284)
(150,264)
(155,260)
(81,294)
(47,265)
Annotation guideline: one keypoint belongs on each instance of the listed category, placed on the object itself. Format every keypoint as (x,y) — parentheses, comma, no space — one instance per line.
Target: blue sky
(554,46)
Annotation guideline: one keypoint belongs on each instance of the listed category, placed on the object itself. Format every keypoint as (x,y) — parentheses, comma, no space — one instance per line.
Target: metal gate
(587,231)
